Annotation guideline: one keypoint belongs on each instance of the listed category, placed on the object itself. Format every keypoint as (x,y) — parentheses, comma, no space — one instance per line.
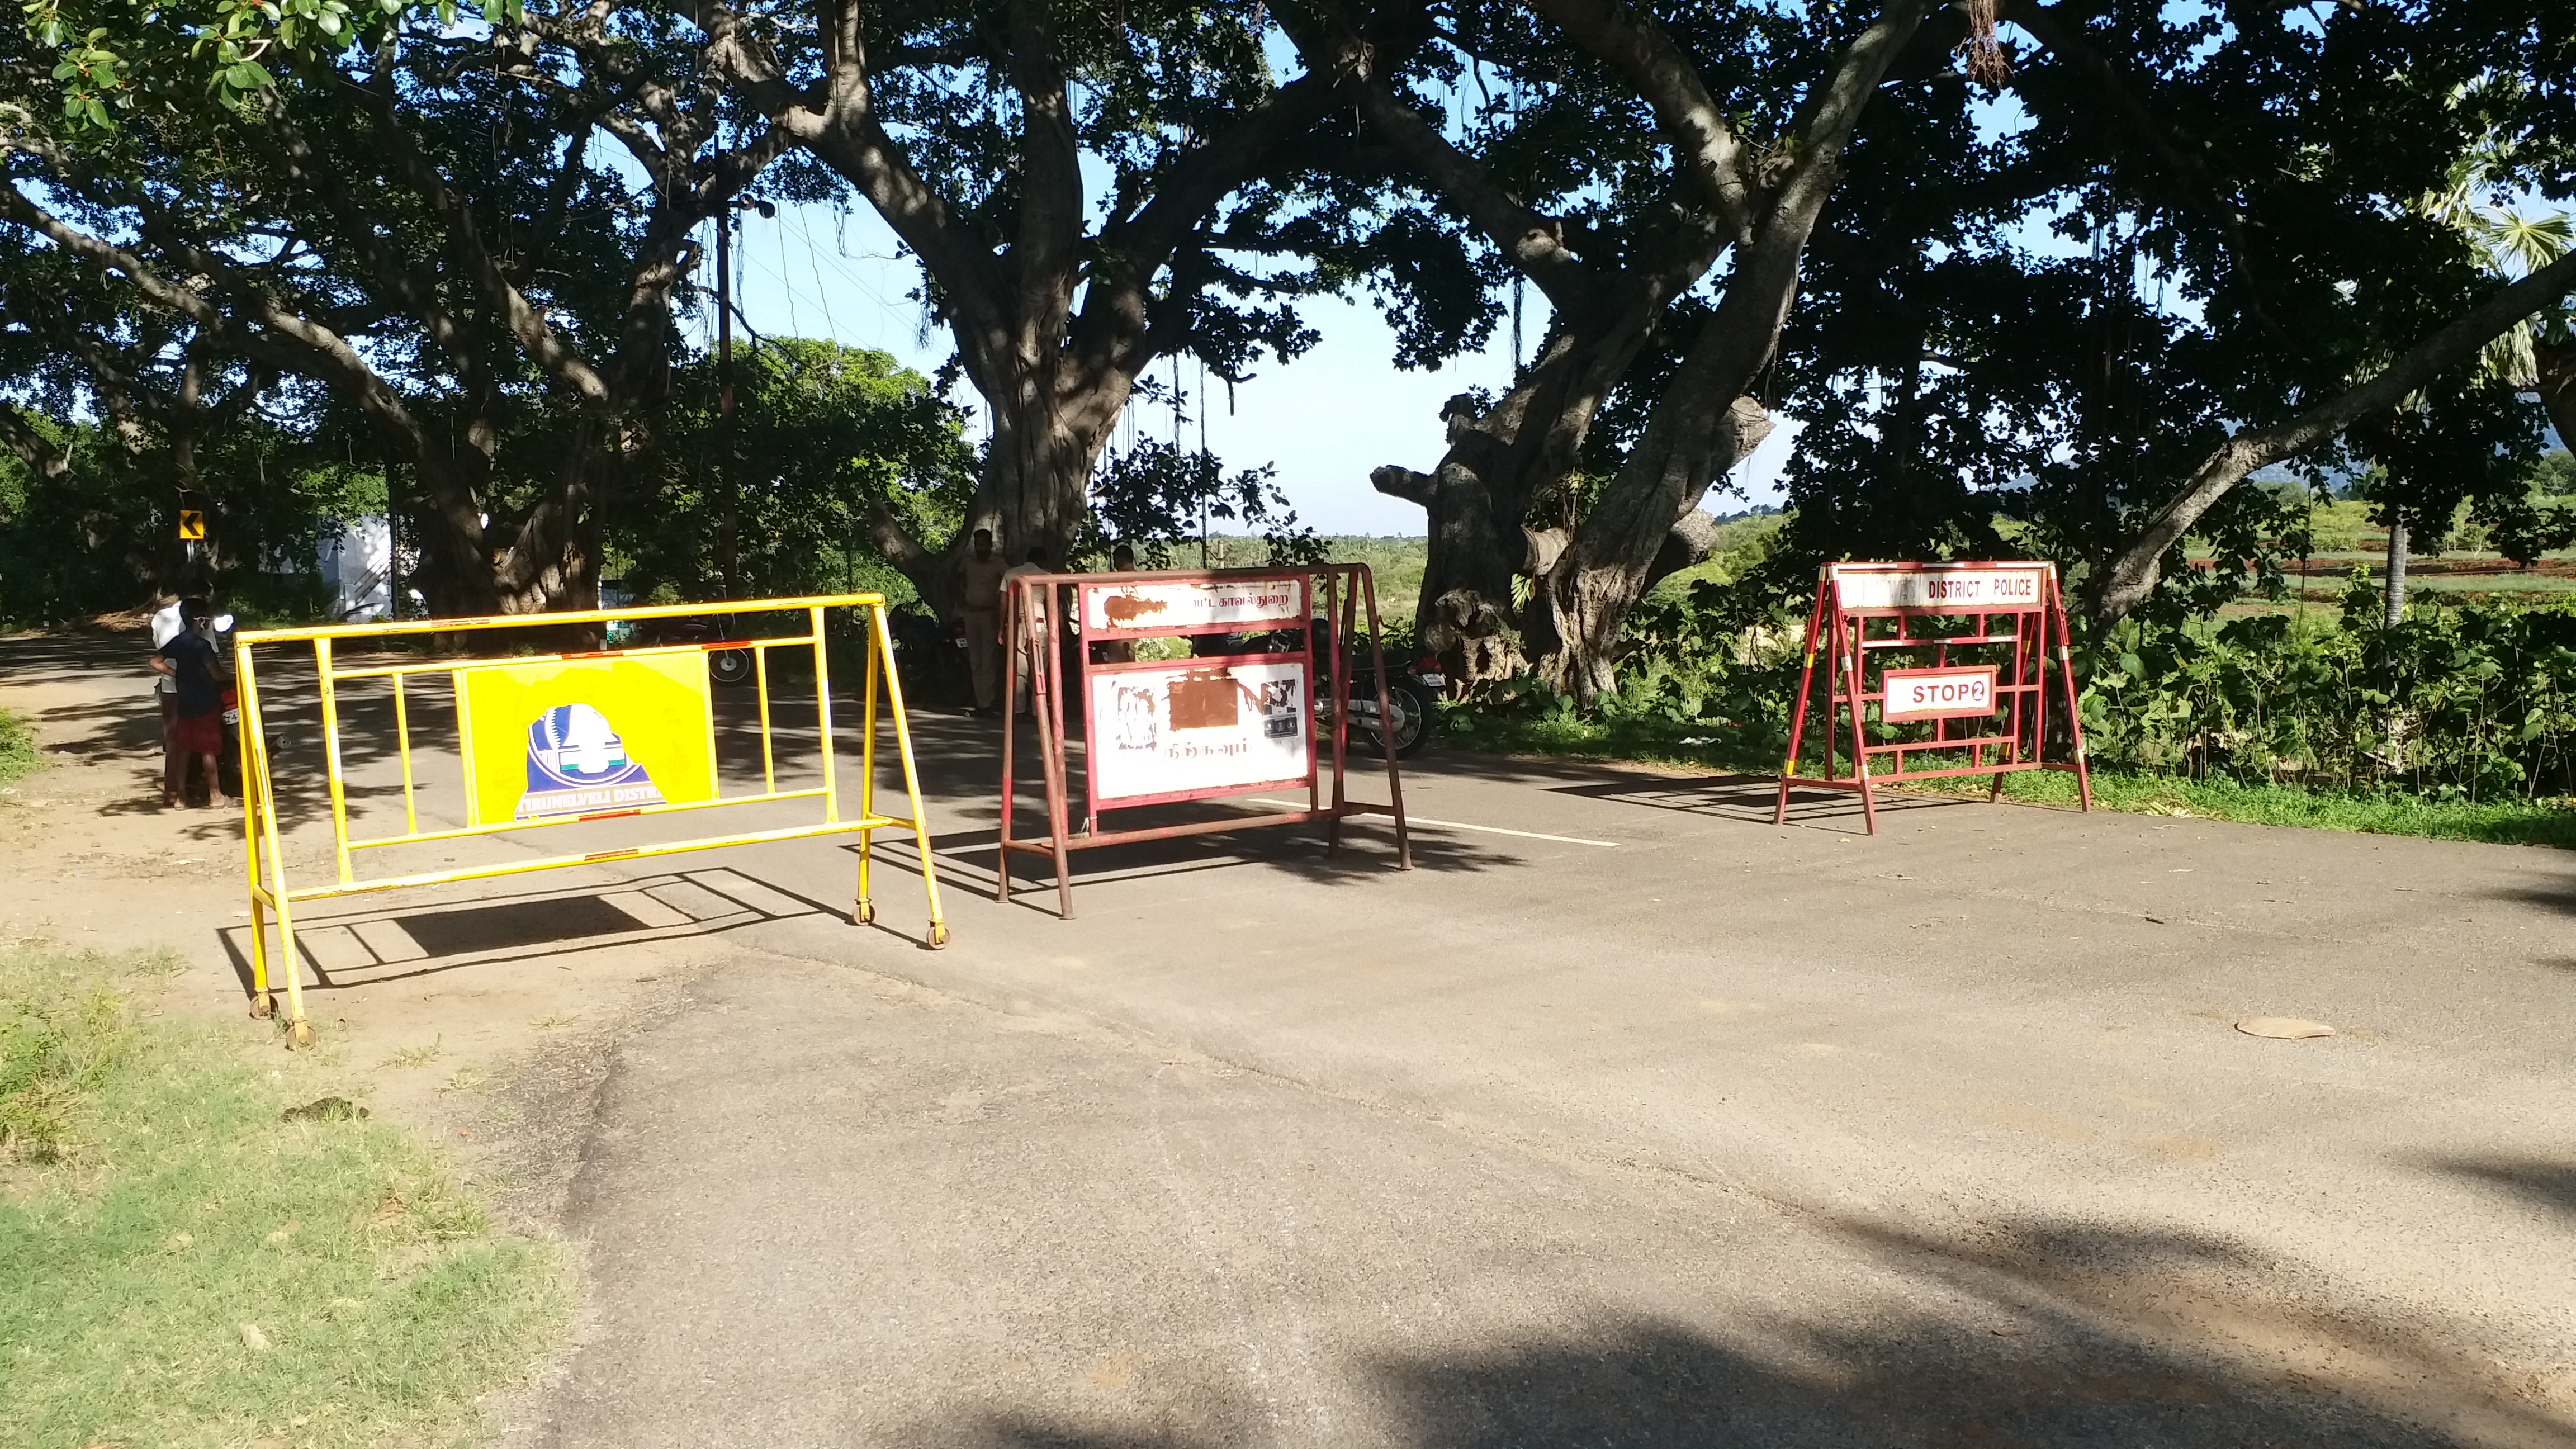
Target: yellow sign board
(586,736)
(192,525)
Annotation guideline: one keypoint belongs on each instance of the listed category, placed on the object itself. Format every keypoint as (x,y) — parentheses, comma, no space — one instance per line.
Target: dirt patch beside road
(462,1011)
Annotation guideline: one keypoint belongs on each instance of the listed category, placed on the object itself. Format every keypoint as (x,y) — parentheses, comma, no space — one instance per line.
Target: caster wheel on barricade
(299,1035)
(938,935)
(865,914)
(263,1006)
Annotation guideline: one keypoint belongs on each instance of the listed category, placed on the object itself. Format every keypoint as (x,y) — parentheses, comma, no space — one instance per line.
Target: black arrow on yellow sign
(192,524)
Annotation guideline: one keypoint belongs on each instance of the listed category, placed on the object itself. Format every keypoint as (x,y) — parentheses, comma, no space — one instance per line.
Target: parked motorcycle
(1413,687)
(731,668)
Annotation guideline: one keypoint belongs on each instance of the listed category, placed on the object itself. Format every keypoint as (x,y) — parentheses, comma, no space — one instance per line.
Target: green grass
(180,1267)
(1717,747)
(2543,822)
(18,757)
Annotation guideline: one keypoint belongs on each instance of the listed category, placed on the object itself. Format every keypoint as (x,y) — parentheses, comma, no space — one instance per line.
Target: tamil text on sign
(1168,608)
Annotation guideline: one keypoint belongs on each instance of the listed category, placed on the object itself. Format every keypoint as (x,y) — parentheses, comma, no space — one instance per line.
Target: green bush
(2475,703)
(18,757)
(2472,704)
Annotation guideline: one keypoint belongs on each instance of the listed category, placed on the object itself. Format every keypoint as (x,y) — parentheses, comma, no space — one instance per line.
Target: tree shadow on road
(1752,799)
(969,857)
(2046,1335)
(2559,896)
(2537,1180)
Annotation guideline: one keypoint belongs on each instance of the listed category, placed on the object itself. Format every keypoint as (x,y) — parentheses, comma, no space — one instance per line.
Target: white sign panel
(1937,693)
(1193,726)
(1185,607)
(1965,590)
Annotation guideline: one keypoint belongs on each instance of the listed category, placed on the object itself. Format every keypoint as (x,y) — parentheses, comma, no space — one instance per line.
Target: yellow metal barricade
(561,739)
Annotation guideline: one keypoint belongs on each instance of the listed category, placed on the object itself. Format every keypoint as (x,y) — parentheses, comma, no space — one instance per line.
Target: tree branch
(1636,46)
(1051,211)
(2132,576)
(32,447)
(2104,81)
(536,336)
(1535,243)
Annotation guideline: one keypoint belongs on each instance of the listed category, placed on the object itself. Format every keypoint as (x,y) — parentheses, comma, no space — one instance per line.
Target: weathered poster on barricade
(1157,607)
(586,737)
(1195,726)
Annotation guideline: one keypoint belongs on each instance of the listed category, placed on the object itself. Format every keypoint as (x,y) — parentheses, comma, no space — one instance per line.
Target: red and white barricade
(1967,662)
(1231,718)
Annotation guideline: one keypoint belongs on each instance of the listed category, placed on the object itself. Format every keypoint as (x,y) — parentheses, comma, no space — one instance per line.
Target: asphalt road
(1625,1118)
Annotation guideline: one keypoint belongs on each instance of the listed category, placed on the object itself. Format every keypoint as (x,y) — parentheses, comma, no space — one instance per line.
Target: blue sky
(1323,421)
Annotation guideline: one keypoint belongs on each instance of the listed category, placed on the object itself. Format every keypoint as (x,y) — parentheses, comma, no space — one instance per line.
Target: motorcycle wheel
(1412,725)
(731,668)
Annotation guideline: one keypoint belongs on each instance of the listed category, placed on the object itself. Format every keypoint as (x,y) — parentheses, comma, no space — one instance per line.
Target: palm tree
(2539,353)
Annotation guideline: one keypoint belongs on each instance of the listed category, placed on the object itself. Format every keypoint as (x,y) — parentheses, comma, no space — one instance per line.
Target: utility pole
(724,390)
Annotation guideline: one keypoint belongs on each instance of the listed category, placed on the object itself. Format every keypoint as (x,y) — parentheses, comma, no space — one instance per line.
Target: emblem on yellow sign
(192,525)
(587,737)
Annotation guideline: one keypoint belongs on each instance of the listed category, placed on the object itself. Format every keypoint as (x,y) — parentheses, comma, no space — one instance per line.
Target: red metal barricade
(1237,719)
(1985,693)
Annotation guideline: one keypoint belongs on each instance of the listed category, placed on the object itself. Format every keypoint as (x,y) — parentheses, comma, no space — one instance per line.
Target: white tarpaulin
(1196,726)
(1179,608)
(357,558)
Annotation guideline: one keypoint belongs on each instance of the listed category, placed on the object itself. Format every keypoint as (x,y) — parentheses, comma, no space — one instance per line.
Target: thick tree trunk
(1465,614)
(1047,438)
(1035,487)
(1499,503)
(1585,598)
(1576,614)
(548,561)
(1695,435)
(552,562)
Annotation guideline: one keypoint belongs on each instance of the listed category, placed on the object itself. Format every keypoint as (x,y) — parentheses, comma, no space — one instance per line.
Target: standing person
(979,586)
(1035,563)
(191,663)
(166,626)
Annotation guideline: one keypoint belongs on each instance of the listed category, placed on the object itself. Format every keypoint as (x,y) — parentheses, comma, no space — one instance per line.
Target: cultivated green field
(2468,568)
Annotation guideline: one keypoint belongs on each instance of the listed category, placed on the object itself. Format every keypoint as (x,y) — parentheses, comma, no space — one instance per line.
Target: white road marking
(1412,819)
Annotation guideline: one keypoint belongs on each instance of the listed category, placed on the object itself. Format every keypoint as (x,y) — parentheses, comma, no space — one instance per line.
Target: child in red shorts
(193,665)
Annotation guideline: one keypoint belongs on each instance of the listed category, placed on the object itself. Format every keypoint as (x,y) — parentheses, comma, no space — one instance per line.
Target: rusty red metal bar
(1036,628)
(2004,705)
